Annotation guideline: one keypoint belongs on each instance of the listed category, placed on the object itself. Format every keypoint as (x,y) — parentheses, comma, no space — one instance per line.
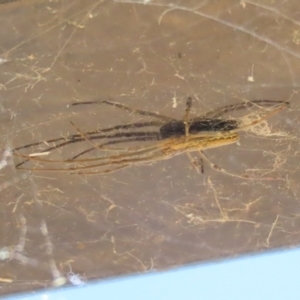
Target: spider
(173,137)
(168,127)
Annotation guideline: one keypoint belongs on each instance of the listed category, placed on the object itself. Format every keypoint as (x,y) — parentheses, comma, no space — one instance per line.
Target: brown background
(149,55)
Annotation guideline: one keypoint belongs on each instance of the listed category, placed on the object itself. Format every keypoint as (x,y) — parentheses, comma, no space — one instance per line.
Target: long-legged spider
(174,137)
(168,126)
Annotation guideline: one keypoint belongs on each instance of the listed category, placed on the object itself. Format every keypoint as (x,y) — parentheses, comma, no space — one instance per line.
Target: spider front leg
(127,108)
(217,113)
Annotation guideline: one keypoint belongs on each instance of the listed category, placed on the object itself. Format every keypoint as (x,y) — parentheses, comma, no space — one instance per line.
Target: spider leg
(107,171)
(120,164)
(97,146)
(82,134)
(102,146)
(127,108)
(257,121)
(77,138)
(161,151)
(131,153)
(125,162)
(151,135)
(238,106)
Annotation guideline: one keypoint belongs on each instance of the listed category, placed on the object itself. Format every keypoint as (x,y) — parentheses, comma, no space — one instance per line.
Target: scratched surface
(60,228)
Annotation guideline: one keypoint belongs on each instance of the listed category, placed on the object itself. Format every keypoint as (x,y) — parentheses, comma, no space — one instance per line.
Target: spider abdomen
(177,128)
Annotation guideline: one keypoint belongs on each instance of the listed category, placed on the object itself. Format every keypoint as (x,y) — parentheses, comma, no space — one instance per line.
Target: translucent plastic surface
(69,227)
